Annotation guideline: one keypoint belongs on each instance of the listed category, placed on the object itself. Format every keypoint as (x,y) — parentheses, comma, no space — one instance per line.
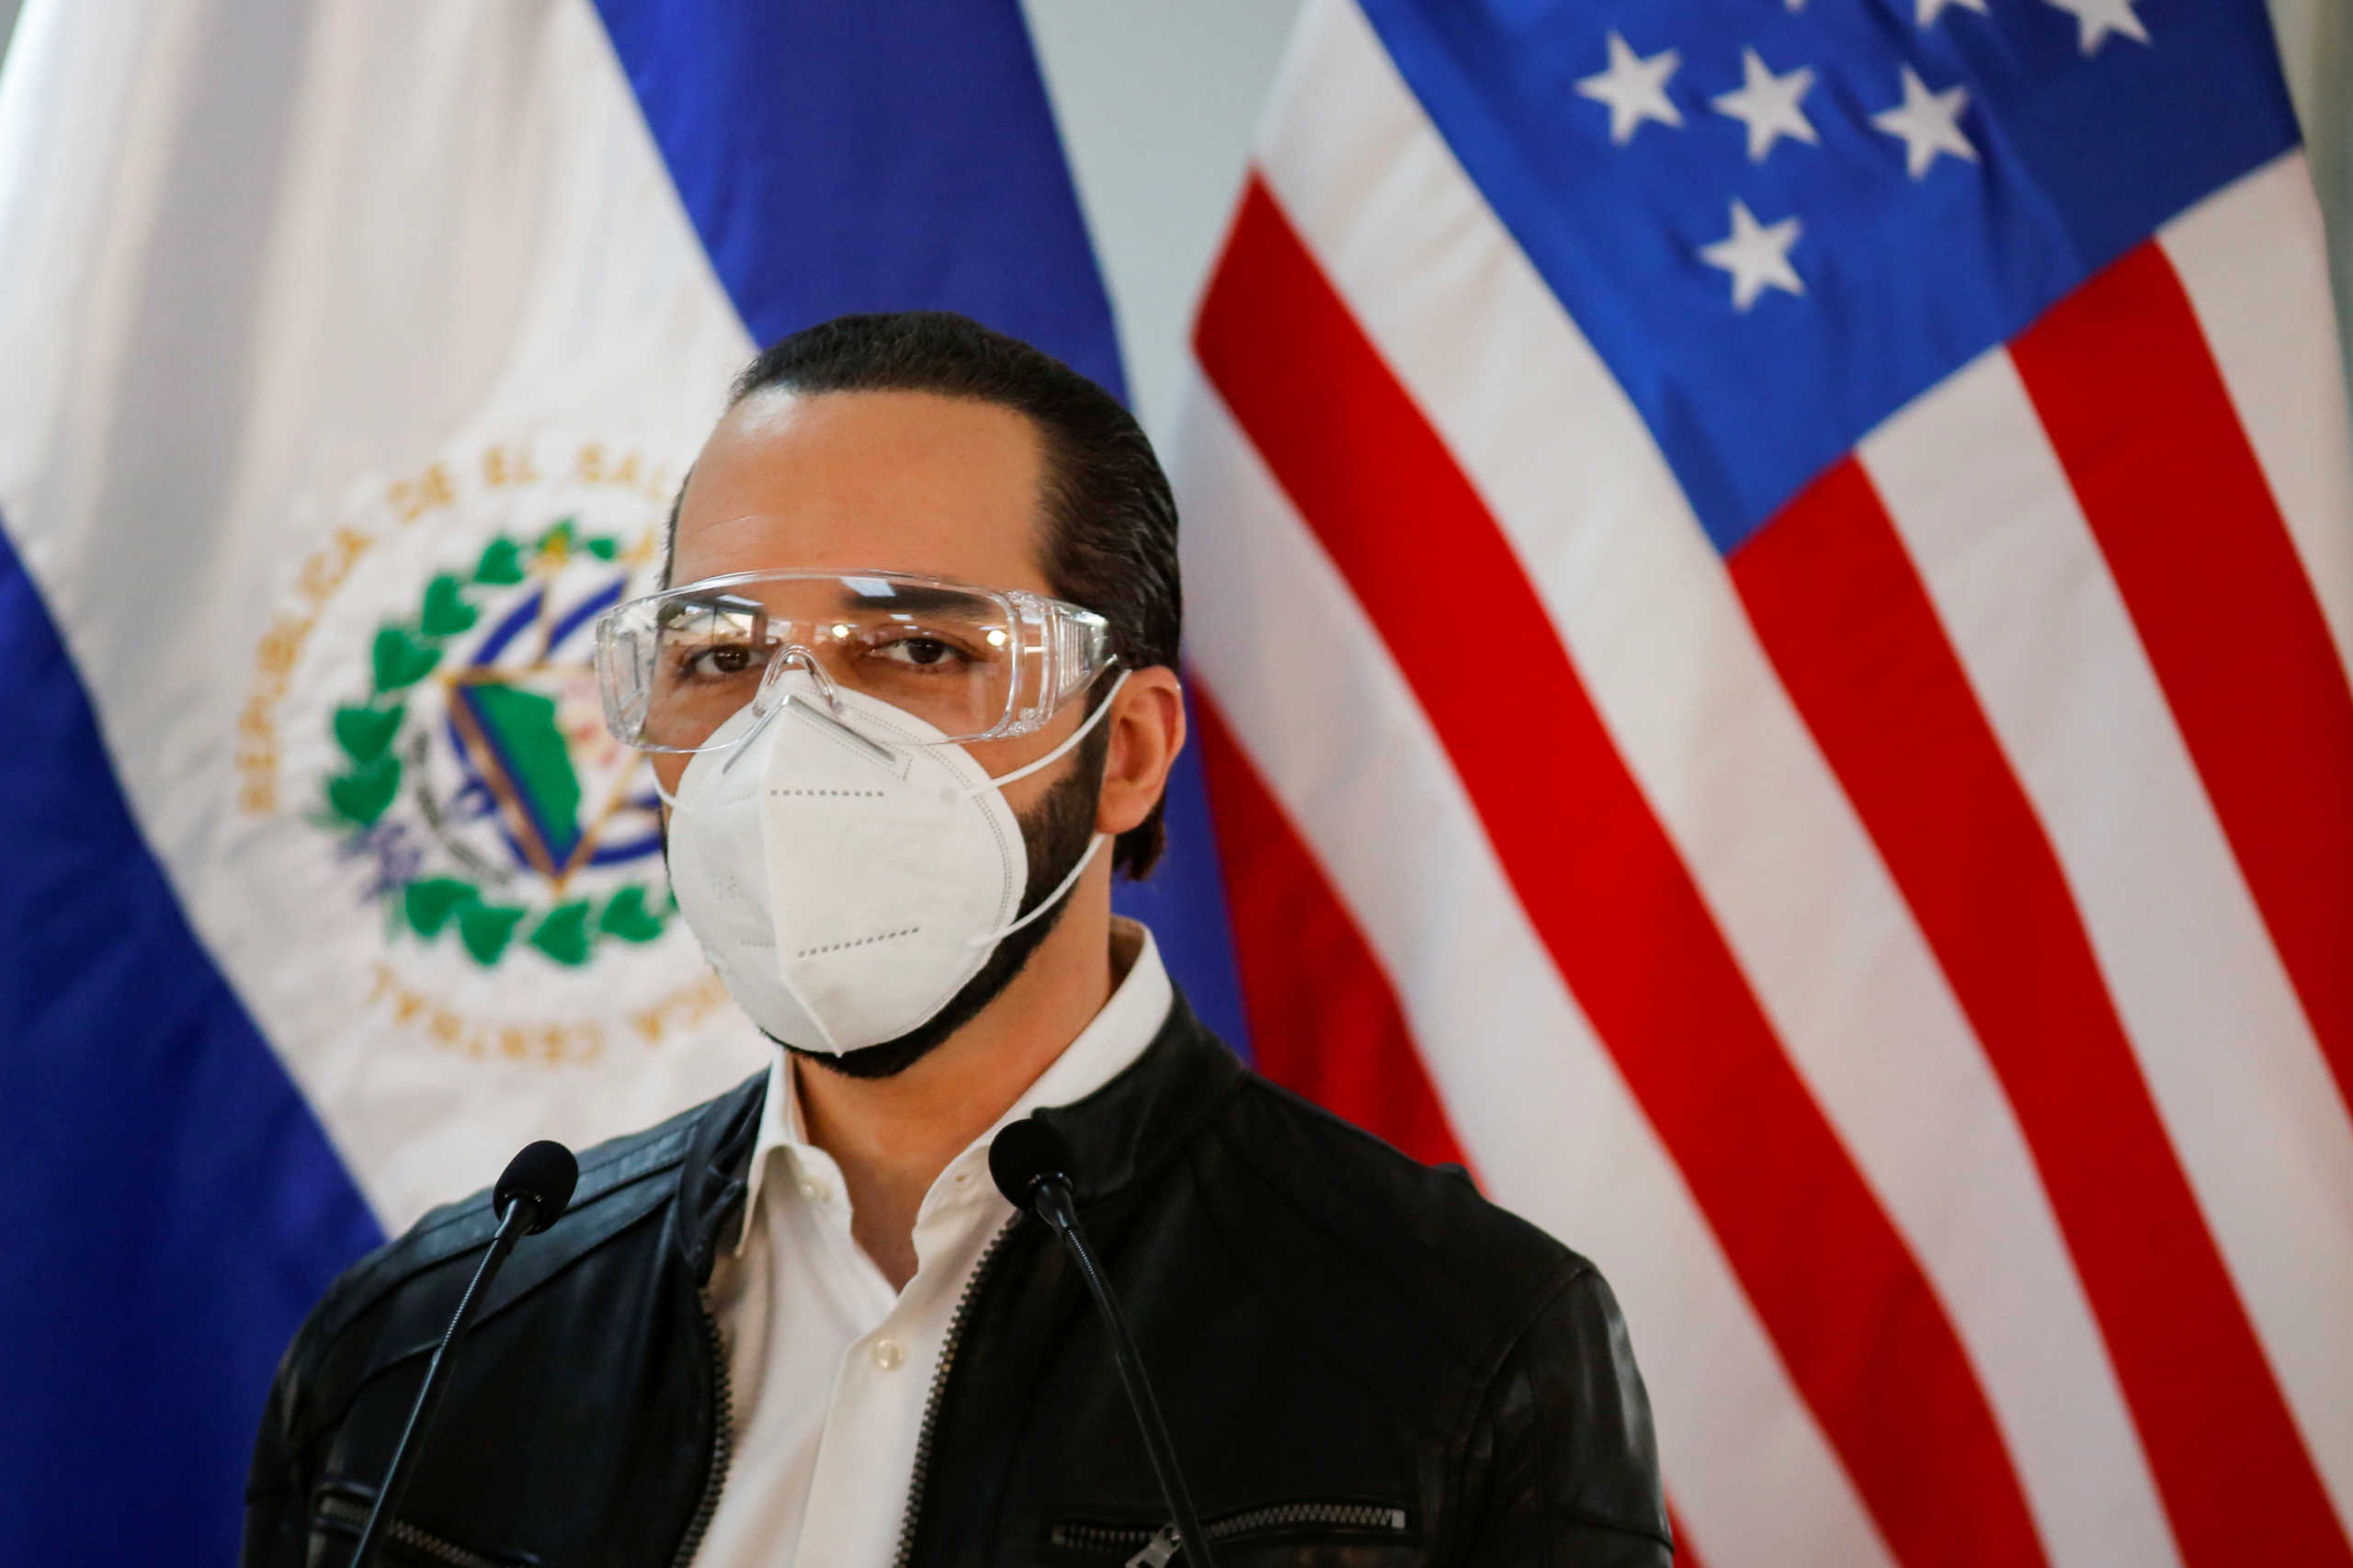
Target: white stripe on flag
(1539,1106)
(2251,257)
(64,89)
(1973,487)
(464,234)
(1649,615)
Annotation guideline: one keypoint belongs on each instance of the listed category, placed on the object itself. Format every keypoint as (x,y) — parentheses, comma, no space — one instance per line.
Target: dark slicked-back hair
(1109,537)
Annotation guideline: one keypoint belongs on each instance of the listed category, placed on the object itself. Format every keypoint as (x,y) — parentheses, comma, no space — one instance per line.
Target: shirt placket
(883,1382)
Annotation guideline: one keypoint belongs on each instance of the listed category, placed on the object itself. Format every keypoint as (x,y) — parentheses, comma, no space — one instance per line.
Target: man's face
(888,481)
(899,482)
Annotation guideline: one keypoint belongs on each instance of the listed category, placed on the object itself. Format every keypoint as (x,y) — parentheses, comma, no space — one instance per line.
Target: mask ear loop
(1026,769)
(1051,899)
(1093,845)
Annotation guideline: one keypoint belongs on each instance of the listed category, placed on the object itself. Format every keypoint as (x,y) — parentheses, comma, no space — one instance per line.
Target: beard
(1055,834)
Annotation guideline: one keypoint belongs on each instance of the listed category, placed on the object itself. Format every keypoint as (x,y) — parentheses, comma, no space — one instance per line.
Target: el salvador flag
(353,355)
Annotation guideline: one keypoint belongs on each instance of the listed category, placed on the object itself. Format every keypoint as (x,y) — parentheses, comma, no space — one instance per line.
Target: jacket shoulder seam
(1382,1150)
(1301,1105)
(410,1255)
(319,1420)
(1476,1370)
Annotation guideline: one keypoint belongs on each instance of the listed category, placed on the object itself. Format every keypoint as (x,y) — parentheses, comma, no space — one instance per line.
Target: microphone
(1030,1163)
(530,1196)
(542,1175)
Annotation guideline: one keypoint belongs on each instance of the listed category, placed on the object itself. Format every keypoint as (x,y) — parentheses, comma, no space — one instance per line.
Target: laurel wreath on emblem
(369,733)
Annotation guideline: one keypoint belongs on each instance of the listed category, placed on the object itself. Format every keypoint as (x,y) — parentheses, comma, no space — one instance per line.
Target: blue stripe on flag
(2084,141)
(842,158)
(1184,902)
(171,1207)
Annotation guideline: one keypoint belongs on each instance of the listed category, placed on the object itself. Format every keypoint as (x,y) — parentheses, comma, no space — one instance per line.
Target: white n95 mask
(845,868)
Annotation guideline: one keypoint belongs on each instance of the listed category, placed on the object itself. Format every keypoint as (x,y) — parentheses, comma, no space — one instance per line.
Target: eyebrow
(911,597)
(677,608)
(863,592)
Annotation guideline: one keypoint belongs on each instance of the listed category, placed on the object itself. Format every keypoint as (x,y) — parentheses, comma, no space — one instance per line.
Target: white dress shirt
(831,1368)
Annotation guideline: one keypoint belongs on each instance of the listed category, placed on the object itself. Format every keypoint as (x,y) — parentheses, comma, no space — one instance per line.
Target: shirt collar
(1107,1046)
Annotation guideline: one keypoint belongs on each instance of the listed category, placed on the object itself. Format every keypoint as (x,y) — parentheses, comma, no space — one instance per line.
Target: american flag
(1773,582)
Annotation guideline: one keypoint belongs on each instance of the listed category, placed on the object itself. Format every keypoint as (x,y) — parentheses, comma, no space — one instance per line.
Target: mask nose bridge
(791,656)
(798,655)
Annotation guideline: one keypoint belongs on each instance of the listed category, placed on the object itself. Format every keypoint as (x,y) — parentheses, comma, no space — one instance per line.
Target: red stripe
(1851,629)
(2125,385)
(1686,1555)
(1864,1339)
(1323,1020)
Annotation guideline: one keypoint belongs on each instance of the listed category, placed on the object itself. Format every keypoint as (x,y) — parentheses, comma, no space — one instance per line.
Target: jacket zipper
(1153,1549)
(955,1321)
(424,1542)
(722,1443)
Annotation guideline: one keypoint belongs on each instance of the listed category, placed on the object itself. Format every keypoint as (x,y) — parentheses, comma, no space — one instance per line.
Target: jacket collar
(1119,1135)
(712,1178)
(1125,1130)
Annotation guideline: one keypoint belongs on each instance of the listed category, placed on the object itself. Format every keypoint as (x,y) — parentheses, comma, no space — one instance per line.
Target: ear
(1147,730)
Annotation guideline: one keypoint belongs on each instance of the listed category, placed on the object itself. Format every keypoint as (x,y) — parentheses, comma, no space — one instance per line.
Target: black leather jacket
(1361,1362)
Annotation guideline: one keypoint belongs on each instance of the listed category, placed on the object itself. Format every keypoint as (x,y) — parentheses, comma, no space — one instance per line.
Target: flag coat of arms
(1774,584)
(355,354)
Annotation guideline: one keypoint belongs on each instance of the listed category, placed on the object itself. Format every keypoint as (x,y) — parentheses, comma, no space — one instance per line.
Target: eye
(922,653)
(718,660)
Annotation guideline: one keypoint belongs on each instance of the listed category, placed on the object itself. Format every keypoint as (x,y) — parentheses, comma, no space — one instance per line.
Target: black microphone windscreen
(544,1172)
(1026,1151)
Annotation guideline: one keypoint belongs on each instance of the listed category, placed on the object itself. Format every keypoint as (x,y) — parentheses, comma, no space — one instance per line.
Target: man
(916,672)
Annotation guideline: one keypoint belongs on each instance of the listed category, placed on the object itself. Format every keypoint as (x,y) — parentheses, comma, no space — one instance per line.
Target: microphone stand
(520,1220)
(1050,1200)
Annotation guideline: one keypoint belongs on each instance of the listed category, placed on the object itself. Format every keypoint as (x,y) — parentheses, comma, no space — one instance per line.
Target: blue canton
(1779,222)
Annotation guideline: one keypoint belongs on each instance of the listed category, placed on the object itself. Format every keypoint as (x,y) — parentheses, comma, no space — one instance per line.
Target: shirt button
(812,1189)
(887,1354)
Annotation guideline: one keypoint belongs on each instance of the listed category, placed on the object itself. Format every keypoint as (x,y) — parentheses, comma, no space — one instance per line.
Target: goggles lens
(976,663)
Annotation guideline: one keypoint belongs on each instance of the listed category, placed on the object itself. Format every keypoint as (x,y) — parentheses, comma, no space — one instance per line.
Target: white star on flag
(2095,19)
(1635,88)
(1756,255)
(1767,105)
(1930,10)
(1929,124)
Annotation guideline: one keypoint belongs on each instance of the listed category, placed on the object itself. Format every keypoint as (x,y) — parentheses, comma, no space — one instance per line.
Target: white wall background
(1158,100)
(2316,45)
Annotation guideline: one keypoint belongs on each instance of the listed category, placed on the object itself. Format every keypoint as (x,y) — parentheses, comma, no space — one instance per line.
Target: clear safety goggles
(976,663)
